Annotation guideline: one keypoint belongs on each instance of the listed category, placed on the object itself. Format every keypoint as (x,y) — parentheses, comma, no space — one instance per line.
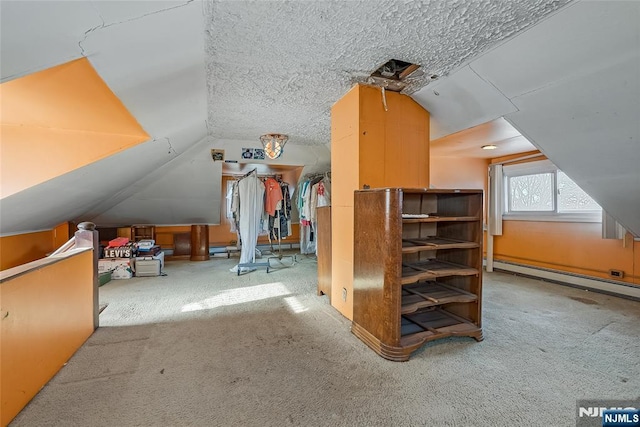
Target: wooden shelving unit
(417,267)
(143,232)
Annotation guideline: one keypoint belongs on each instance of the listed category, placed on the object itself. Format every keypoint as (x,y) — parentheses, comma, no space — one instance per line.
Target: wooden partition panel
(23,248)
(324,251)
(47,314)
(374,147)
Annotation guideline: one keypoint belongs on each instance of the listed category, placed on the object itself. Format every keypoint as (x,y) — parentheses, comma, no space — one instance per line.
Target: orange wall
(345,158)
(23,248)
(636,262)
(46,316)
(61,234)
(219,235)
(370,146)
(459,173)
(393,144)
(164,234)
(64,107)
(575,247)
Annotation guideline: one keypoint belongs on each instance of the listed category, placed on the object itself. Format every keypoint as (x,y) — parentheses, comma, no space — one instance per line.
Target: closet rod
(260,175)
(316,175)
(249,173)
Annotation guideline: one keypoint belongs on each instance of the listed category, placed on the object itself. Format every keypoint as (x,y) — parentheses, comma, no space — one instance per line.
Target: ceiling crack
(170,148)
(105,25)
(90,30)
(149,14)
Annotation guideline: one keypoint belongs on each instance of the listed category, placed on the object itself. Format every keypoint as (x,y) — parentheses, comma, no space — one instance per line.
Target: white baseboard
(597,285)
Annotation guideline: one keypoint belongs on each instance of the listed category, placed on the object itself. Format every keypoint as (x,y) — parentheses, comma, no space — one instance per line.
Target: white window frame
(540,167)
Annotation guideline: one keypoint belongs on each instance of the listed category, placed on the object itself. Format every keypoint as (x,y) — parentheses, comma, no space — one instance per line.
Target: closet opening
(289,224)
(231,171)
(278,229)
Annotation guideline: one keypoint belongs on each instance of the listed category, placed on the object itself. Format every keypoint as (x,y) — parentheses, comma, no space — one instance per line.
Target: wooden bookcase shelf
(438,219)
(417,267)
(143,232)
(432,268)
(434,243)
(429,294)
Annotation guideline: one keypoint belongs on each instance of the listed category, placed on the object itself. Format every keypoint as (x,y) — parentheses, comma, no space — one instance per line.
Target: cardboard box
(119,252)
(120,268)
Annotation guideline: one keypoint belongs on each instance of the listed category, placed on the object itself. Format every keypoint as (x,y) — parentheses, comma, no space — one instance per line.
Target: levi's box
(120,268)
(119,252)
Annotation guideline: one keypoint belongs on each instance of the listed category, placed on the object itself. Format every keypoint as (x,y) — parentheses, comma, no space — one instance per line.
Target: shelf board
(435,243)
(431,269)
(432,324)
(429,294)
(435,218)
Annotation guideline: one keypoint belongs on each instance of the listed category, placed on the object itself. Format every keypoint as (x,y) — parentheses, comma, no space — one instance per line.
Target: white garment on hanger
(232,202)
(251,191)
(324,194)
(313,202)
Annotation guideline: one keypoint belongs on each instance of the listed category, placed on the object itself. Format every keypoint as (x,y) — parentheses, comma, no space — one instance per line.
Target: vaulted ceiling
(201,75)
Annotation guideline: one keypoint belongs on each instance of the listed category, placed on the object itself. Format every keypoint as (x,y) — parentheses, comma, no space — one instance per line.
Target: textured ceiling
(200,75)
(279,66)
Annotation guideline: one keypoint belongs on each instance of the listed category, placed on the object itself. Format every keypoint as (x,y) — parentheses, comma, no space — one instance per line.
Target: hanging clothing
(280,221)
(313,192)
(313,202)
(272,196)
(233,202)
(324,197)
(251,207)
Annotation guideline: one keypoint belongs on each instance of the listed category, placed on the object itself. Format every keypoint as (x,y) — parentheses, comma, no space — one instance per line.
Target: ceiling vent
(395,75)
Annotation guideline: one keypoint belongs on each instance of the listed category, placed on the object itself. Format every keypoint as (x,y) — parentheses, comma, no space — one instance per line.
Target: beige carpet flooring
(204,347)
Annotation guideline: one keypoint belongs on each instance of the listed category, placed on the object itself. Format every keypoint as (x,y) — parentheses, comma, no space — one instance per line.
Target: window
(539,191)
(528,193)
(571,198)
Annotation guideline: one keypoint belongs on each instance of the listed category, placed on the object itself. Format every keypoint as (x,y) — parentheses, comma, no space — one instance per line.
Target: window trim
(533,168)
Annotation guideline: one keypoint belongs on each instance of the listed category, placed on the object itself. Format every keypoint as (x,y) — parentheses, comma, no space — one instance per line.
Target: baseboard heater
(571,279)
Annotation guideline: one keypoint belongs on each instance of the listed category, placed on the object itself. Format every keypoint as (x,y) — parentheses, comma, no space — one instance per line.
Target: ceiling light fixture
(489,147)
(273,144)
